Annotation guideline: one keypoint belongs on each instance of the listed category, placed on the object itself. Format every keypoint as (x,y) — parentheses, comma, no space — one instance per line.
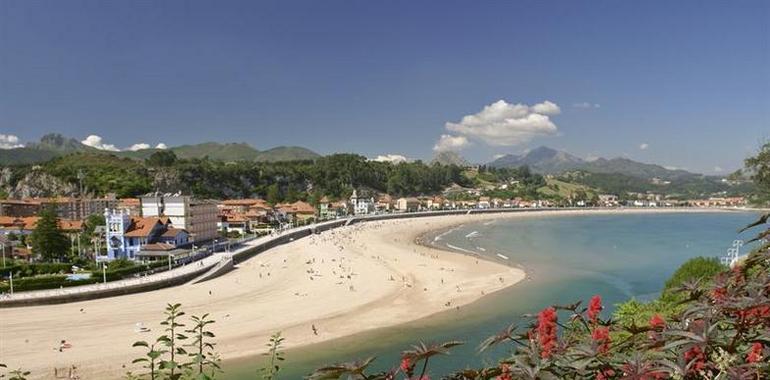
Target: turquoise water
(568,258)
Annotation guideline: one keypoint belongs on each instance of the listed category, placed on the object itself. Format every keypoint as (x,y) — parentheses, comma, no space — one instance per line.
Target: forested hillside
(335,175)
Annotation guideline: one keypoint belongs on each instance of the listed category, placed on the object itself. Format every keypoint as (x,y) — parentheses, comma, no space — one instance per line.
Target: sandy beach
(344,281)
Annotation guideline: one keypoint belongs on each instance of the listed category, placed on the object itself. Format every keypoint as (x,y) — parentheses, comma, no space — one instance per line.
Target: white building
(127,236)
(361,205)
(409,204)
(198,217)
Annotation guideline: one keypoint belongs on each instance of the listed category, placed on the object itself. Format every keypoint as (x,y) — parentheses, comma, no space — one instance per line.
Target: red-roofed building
(127,235)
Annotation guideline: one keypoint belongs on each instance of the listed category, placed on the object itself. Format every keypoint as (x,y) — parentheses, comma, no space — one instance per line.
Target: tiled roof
(244,202)
(141,227)
(158,247)
(173,232)
(30,222)
(298,207)
(236,218)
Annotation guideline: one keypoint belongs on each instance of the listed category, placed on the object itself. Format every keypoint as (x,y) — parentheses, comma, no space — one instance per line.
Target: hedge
(55,281)
(44,282)
(35,269)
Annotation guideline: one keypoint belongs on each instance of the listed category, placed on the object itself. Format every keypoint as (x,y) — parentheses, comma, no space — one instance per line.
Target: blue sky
(683,84)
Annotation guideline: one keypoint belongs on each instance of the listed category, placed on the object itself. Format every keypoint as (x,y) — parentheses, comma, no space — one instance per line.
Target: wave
(460,249)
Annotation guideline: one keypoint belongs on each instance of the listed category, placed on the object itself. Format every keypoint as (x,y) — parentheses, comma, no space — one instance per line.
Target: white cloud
(644,146)
(9,142)
(449,142)
(499,155)
(503,124)
(161,146)
(546,108)
(718,169)
(138,146)
(95,141)
(394,158)
(586,105)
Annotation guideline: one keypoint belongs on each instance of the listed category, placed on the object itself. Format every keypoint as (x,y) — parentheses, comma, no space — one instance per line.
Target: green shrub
(22,269)
(43,282)
(697,268)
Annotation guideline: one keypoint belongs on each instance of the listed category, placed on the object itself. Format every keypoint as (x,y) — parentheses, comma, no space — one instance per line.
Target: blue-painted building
(126,236)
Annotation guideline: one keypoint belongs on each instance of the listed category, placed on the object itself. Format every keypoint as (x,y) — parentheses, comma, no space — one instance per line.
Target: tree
(93,221)
(47,239)
(759,166)
(162,158)
(273,194)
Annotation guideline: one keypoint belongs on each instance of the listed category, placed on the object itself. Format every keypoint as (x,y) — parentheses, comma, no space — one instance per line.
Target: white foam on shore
(503,256)
(447,232)
(481,249)
(460,249)
(472,234)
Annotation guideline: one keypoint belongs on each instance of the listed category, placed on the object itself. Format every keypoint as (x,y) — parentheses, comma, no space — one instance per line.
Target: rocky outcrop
(36,183)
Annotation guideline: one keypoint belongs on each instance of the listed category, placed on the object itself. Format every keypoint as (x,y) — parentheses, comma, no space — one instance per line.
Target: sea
(566,257)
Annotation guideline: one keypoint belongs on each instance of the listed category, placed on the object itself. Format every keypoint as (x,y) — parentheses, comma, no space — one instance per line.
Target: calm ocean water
(568,258)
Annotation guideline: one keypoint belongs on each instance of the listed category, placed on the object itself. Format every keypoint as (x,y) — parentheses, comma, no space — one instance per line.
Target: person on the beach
(315,330)
(64,345)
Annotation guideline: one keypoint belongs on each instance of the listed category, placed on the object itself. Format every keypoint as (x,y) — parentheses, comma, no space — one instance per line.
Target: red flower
(755,353)
(406,364)
(605,374)
(657,322)
(546,331)
(755,315)
(719,295)
(594,308)
(601,336)
(506,372)
(697,357)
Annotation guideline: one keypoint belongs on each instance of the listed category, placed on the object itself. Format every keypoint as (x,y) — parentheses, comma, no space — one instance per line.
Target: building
(718,202)
(384,203)
(409,204)
(198,217)
(298,211)
(66,207)
(127,236)
(19,207)
(608,200)
(436,203)
(25,225)
(361,205)
(242,206)
(234,223)
(132,205)
(484,202)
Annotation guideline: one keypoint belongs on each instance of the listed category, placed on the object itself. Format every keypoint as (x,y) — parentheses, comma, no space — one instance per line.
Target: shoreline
(366,295)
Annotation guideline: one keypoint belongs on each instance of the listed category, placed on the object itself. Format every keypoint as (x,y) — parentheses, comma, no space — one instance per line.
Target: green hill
(50,146)
(56,145)
(286,153)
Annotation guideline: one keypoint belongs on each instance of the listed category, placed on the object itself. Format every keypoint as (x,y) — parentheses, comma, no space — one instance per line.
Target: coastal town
(384,190)
(157,227)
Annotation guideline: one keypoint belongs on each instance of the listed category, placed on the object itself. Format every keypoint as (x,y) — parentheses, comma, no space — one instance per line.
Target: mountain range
(55,145)
(546,160)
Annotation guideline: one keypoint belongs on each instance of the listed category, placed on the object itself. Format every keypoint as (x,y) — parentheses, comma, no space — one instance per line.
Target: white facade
(118,245)
(361,206)
(199,218)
